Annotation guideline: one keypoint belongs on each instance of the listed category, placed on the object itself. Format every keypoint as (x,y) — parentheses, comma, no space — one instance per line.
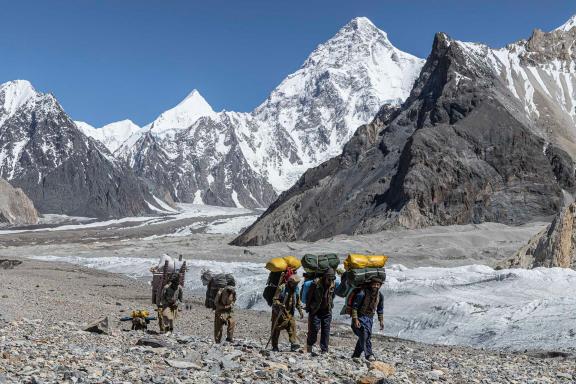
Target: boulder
(15,207)
(387,369)
(152,342)
(552,247)
(102,326)
(182,364)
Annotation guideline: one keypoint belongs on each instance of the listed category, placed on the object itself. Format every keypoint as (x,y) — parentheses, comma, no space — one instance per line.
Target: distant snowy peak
(232,158)
(13,95)
(182,115)
(112,135)
(340,86)
(567,26)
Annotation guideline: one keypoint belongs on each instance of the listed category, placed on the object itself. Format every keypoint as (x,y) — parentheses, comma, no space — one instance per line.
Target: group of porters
(360,282)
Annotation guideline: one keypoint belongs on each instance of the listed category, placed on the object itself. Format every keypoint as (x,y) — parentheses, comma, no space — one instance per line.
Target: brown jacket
(225,299)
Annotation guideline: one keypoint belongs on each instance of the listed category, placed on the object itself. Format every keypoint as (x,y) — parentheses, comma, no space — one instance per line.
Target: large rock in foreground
(553,247)
(15,207)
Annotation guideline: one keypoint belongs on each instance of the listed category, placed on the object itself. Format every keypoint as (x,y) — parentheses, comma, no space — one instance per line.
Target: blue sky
(108,60)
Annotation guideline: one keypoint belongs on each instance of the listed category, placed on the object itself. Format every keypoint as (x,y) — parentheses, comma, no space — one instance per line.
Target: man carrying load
(319,304)
(286,302)
(367,301)
(170,300)
(224,314)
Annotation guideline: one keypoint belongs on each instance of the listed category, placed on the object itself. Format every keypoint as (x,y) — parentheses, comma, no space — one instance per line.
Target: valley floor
(441,289)
(45,305)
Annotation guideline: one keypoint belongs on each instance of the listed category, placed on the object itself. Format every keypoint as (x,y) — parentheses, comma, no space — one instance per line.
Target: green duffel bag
(358,277)
(320,263)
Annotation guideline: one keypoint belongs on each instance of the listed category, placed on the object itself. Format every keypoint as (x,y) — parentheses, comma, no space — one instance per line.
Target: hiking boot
(310,348)
(370,358)
(275,349)
(229,340)
(294,348)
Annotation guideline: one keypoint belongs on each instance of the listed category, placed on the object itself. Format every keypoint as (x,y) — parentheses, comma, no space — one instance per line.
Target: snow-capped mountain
(182,115)
(244,159)
(111,135)
(486,135)
(58,167)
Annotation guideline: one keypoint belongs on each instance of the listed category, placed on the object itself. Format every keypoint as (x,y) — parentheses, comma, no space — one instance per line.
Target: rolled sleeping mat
(358,261)
(358,277)
(277,264)
(320,263)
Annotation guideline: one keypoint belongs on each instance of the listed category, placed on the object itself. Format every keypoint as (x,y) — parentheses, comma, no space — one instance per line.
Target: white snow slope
(471,305)
(540,73)
(112,135)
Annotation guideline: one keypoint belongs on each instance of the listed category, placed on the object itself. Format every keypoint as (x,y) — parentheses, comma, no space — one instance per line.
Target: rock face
(553,247)
(59,168)
(486,135)
(244,159)
(15,207)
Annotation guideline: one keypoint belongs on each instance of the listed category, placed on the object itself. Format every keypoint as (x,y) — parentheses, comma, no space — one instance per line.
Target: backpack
(304,292)
(344,287)
(217,282)
(320,263)
(227,295)
(275,279)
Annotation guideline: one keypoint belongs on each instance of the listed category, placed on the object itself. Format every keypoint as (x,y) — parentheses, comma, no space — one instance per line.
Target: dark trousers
(364,333)
(319,322)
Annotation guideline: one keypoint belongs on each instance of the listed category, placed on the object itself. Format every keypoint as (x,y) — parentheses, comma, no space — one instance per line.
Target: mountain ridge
(305,120)
(464,147)
(59,168)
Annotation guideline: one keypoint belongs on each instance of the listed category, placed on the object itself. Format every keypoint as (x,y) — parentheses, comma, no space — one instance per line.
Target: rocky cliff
(15,207)
(553,247)
(60,169)
(476,141)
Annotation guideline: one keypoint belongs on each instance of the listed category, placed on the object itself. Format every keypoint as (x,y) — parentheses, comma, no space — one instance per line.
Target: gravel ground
(44,308)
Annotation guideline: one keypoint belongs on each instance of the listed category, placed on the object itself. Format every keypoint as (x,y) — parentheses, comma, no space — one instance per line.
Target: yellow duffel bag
(293,262)
(357,261)
(277,264)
